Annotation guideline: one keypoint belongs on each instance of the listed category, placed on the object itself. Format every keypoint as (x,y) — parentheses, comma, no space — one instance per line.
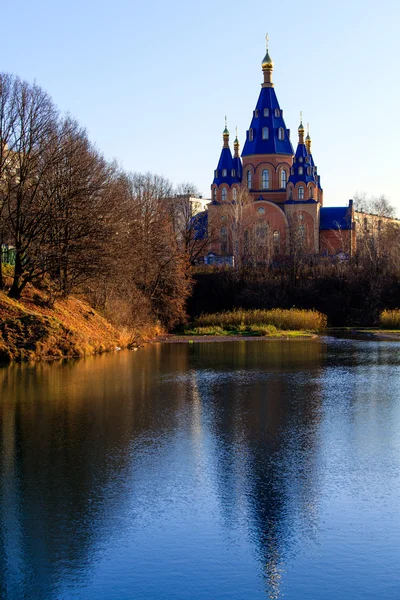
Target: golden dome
(267,63)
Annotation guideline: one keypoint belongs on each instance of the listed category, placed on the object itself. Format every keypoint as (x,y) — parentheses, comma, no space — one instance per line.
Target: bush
(390,319)
(294,319)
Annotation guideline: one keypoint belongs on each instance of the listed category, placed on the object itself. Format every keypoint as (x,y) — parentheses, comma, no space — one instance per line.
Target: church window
(300,217)
(283,179)
(216,173)
(251,135)
(266,112)
(281,133)
(249,179)
(224,240)
(307,160)
(301,193)
(300,170)
(223,193)
(265,133)
(234,192)
(309,170)
(265,179)
(256,113)
(292,171)
(311,192)
(261,210)
(301,159)
(262,233)
(215,194)
(224,172)
(277,112)
(233,172)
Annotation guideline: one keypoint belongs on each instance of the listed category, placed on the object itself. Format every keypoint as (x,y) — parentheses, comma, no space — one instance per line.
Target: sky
(153,81)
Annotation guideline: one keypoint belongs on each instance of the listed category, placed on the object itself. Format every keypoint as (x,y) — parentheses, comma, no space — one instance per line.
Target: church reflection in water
(77,439)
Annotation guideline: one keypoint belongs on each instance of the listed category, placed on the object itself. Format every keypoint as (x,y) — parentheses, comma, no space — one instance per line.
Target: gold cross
(267,39)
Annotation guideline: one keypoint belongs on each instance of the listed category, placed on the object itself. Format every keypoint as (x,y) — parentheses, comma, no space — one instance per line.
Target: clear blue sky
(152,81)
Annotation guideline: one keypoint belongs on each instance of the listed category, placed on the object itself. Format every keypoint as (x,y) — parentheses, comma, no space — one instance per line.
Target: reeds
(390,319)
(293,319)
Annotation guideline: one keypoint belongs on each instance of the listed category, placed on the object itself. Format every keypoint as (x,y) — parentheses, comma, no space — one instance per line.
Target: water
(244,470)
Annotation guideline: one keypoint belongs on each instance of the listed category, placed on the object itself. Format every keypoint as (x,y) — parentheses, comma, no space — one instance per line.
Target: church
(267,202)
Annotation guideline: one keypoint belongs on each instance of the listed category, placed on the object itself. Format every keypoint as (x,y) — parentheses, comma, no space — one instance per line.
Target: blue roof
(335,218)
(200,225)
(227,162)
(272,145)
(237,165)
(305,162)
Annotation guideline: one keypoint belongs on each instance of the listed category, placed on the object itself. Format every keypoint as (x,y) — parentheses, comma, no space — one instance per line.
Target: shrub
(390,319)
(293,319)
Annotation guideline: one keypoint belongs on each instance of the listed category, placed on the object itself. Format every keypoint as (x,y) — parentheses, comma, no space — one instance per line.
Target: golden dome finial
(301,126)
(267,63)
(226,132)
(236,138)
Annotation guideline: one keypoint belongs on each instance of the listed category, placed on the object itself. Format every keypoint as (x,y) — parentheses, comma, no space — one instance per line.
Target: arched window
(251,135)
(249,179)
(311,192)
(277,113)
(215,194)
(224,240)
(265,179)
(224,172)
(256,113)
(300,170)
(281,133)
(262,233)
(301,193)
(265,133)
(283,179)
(234,191)
(290,193)
(266,112)
(216,173)
(223,194)
(301,159)
(233,172)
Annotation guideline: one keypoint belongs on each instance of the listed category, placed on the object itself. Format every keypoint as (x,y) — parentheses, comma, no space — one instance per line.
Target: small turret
(308,139)
(301,130)
(236,146)
(237,161)
(225,134)
(267,66)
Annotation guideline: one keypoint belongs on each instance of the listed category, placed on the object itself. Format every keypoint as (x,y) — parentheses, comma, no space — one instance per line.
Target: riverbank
(30,329)
(283,335)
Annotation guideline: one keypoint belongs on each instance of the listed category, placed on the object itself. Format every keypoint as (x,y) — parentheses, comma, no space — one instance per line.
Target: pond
(244,470)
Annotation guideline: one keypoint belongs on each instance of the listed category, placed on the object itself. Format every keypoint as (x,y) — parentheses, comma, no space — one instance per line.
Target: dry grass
(390,319)
(30,329)
(293,320)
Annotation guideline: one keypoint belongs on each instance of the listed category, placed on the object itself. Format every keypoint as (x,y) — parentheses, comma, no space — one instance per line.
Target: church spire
(308,139)
(267,66)
(301,130)
(236,145)
(225,134)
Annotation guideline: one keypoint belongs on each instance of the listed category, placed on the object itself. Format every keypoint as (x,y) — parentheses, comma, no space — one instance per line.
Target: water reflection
(204,467)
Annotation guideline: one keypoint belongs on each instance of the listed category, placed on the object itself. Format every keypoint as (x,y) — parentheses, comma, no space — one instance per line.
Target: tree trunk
(16,288)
